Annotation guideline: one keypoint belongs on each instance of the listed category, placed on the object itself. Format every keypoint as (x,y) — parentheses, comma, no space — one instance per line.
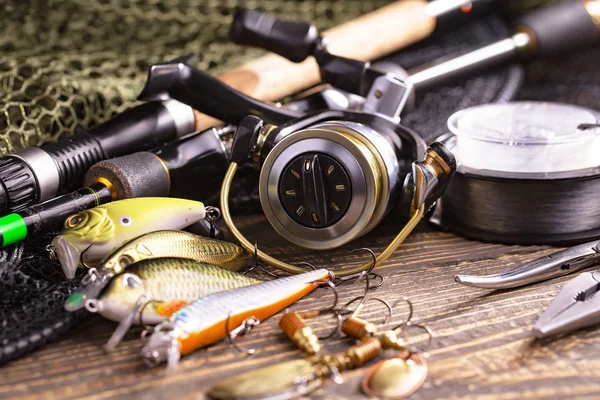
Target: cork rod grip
(366,38)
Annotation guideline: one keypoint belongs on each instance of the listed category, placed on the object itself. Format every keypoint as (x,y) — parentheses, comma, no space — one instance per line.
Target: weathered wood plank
(483,346)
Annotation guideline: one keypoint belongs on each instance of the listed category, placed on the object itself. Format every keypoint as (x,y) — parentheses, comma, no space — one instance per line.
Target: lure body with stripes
(207,320)
(166,284)
(96,232)
(153,245)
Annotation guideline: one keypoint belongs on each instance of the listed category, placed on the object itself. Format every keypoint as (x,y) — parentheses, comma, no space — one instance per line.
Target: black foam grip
(292,40)
(140,174)
(73,157)
(559,28)
(140,128)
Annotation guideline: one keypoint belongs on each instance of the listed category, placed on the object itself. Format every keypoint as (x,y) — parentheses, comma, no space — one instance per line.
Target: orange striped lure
(212,318)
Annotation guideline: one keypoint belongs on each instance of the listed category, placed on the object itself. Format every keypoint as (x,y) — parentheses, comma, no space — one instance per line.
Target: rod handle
(366,38)
(561,27)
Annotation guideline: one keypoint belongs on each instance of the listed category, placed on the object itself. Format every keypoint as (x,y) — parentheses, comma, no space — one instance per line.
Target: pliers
(577,304)
(553,265)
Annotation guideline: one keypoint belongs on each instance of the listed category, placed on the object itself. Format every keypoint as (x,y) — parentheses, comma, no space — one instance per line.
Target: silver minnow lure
(211,318)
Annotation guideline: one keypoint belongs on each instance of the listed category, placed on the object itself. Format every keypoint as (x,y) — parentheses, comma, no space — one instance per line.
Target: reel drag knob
(323,186)
(315,190)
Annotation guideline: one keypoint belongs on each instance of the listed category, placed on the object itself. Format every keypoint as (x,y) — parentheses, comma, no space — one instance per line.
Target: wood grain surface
(482,348)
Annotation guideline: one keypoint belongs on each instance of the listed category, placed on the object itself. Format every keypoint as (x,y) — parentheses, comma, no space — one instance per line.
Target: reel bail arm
(433,174)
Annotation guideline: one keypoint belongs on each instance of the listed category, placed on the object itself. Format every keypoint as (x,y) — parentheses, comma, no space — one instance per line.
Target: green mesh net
(78,62)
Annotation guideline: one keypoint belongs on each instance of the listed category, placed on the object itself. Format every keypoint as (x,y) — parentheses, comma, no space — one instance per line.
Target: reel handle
(289,39)
(296,41)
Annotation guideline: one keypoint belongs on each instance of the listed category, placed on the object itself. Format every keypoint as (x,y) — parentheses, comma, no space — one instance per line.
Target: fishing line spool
(527,173)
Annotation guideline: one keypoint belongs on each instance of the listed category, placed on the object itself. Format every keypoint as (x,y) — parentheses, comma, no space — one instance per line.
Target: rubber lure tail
(96,232)
(154,245)
(210,319)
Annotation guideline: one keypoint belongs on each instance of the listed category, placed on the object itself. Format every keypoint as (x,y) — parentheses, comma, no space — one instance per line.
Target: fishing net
(72,64)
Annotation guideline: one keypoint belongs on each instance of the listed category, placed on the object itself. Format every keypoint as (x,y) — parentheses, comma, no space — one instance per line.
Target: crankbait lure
(212,318)
(96,232)
(153,245)
(151,290)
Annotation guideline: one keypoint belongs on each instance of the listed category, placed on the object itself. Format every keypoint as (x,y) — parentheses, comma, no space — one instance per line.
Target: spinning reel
(326,177)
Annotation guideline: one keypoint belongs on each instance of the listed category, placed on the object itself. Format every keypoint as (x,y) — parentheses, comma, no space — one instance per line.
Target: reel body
(332,177)
(327,177)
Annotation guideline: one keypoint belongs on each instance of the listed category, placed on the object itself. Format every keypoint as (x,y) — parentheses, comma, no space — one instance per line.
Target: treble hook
(368,272)
(147,327)
(257,263)
(91,276)
(51,249)
(81,257)
(427,330)
(337,313)
(365,273)
(385,303)
(410,312)
(244,328)
(308,264)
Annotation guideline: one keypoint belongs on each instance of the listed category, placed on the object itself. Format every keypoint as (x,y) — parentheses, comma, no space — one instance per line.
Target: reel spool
(527,173)
(325,185)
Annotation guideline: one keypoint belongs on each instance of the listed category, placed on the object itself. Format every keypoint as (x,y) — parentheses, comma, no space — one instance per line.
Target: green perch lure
(96,232)
(151,290)
(152,245)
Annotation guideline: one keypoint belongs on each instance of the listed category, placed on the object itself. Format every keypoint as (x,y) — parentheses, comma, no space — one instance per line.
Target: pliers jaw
(550,266)
(576,306)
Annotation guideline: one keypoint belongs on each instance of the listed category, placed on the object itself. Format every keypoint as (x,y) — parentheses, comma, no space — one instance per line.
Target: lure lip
(91,290)
(67,254)
(161,348)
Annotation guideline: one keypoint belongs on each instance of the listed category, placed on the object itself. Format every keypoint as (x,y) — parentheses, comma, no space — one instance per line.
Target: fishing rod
(37,174)
(555,29)
(163,172)
(366,38)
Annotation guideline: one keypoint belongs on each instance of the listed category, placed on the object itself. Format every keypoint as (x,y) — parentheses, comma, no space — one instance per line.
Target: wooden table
(483,346)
